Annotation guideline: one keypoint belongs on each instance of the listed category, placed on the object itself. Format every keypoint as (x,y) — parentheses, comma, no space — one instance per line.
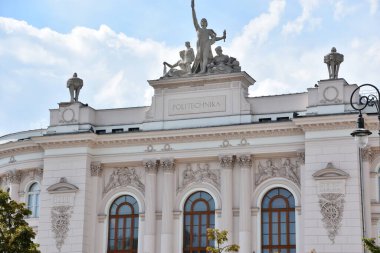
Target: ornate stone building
(280,173)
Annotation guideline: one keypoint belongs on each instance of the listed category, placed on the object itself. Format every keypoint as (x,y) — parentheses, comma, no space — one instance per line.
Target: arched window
(34,200)
(198,216)
(123,225)
(278,223)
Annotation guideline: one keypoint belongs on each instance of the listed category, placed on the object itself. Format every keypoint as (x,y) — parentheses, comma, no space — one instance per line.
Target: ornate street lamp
(361,134)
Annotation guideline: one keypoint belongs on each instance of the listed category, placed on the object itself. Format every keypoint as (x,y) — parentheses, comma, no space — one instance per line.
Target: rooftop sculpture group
(204,62)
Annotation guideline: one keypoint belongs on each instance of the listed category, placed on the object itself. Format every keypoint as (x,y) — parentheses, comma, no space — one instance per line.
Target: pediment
(330,172)
(62,187)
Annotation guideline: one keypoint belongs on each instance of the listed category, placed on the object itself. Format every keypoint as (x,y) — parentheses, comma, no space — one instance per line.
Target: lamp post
(361,134)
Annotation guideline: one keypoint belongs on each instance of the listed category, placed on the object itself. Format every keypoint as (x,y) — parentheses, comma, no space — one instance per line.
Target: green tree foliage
(220,237)
(370,244)
(15,234)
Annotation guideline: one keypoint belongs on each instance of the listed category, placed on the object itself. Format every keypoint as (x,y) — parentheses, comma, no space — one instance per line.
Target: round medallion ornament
(330,93)
(68,115)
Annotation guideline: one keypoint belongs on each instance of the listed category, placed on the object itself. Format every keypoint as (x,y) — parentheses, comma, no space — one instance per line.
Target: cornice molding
(328,122)
(18,148)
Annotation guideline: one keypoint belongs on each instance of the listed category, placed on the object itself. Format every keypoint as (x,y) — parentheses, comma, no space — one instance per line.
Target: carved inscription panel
(197,105)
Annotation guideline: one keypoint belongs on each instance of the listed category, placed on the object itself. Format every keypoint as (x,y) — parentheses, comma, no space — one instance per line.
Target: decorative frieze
(60,222)
(124,177)
(226,161)
(167,165)
(150,166)
(96,169)
(13,177)
(270,168)
(202,174)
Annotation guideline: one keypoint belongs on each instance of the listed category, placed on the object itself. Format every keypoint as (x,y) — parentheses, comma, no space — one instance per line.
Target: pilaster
(167,166)
(245,237)
(151,167)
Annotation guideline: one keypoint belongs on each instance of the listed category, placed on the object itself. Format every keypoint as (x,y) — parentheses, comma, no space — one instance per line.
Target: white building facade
(280,173)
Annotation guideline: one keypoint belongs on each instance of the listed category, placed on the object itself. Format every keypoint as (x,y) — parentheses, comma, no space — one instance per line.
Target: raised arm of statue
(195,20)
(221,38)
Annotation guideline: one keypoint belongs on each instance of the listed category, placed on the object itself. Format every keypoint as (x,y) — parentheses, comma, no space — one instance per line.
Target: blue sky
(116,45)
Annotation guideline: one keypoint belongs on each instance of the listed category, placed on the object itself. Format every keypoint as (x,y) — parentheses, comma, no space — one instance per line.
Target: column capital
(301,157)
(96,169)
(367,154)
(226,161)
(150,166)
(244,160)
(167,165)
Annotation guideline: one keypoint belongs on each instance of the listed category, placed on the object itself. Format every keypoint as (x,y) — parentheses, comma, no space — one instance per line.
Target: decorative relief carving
(202,174)
(331,184)
(167,165)
(167,147)
(226,161)
(124,177)
(330,95)
(96,169)
(12,159)
(150,148)
(277,168)
(245,161)
(13,177)
(60,221)
(225,144)
(151,166)
(244,142)
(332,205)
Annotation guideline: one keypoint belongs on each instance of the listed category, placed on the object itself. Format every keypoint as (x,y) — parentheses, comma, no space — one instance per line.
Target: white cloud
(373,5)
(258,29)
(298,24)
(342,9)
(114,66)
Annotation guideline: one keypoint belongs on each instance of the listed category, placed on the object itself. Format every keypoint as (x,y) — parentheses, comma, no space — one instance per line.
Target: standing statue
(333,61)
(74,84)
(206,37)
(189,56)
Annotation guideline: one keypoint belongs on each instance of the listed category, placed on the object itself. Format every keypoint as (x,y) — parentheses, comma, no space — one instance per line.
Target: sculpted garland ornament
(332,205)
(60,221)
(124,177)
